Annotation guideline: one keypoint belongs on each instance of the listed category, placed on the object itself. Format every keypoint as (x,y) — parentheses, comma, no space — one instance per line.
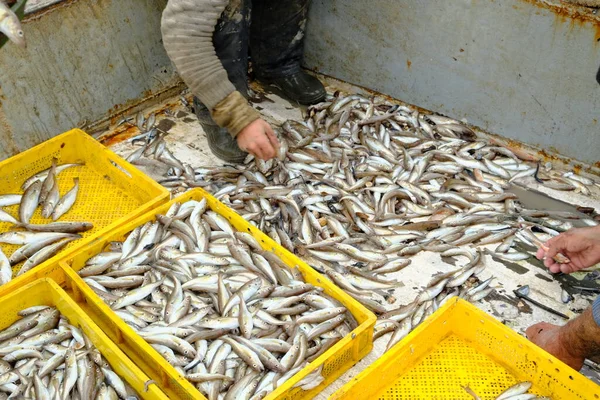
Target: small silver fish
(67,201)
(51,200)
(515,390)
(11,26)
(29,202)
(6,217)
(5,269)
(10,199)
(49,182)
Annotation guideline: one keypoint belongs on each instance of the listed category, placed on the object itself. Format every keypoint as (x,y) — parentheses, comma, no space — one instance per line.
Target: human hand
(258,139)
(549,338)
(581,246)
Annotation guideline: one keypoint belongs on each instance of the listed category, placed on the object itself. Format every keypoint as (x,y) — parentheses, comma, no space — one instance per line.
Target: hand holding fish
(581,246)
(258,138)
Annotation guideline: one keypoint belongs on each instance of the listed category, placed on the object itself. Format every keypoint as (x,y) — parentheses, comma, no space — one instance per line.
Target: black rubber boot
(220,141)
(276,46)
(231,45)
(299,87)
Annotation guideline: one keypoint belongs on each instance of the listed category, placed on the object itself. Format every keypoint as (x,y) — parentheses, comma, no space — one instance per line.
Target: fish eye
(20,33)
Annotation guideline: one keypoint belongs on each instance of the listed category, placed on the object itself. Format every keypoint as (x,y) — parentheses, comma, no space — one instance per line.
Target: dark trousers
(272,31)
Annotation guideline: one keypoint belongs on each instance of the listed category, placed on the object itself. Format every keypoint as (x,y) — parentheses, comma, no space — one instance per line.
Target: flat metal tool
(523,293)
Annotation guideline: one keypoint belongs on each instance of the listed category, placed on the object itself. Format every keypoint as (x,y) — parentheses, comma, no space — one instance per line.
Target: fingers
(267,149)
(566,268)
(553,248)
(262,148)
(272,137)
(540,254)
(552,266)
(259,140)
(555,267)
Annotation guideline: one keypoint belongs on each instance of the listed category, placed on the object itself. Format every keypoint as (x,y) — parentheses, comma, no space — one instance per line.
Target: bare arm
(574,342)
(579,338)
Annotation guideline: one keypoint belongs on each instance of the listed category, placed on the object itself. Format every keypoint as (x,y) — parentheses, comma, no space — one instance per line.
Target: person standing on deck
(580,337)
(209,40)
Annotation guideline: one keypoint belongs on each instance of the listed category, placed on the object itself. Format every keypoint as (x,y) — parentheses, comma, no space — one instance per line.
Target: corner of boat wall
(528,70)
(85,61)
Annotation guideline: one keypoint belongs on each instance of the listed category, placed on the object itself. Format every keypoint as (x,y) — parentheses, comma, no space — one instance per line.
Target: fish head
(13,30)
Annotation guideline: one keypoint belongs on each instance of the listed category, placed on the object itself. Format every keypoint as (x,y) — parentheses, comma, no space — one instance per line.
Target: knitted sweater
(187,28)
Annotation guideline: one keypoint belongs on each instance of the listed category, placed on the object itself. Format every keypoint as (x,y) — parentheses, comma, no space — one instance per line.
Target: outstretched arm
(579,338)
(574,342)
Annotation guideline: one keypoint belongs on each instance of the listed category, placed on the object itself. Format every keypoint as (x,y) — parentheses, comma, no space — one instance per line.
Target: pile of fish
(39,242)
(515,392)
(45,357)
(229,316)
(462,282)
(153,150)
(362,184)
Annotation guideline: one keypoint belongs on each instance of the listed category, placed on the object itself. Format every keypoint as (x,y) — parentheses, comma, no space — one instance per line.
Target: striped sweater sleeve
(187,28)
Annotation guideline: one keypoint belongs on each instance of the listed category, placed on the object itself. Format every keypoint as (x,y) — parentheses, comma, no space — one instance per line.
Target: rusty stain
(118,110)
(567,11)
(120,134)
(126,131)
(571,15)
(548,156)
(577,168)
(595,121)
(408,63)
(115,113)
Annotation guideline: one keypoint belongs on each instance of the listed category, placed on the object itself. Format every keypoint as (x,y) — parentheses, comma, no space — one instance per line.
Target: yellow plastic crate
(112,192)
(335,361)
(461,345)
(46,292)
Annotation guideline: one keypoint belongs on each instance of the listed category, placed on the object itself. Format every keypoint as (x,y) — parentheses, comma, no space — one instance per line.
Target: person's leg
(231,45)
(276,47)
